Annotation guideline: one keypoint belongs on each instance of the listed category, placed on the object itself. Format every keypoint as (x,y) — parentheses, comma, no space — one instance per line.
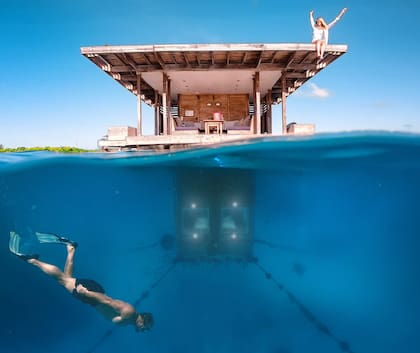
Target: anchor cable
(144,295)
(319,325)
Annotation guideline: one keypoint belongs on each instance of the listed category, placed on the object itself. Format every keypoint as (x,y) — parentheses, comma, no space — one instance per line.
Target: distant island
(61,149)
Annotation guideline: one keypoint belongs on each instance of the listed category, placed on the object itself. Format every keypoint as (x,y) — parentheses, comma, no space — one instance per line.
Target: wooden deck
(171,142)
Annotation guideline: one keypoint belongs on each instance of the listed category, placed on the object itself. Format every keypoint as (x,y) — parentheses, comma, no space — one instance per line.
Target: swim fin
(54,239)
(14,247)
(14,243)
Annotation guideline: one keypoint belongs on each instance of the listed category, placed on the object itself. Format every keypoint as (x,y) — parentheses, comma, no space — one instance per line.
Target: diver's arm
(99,297)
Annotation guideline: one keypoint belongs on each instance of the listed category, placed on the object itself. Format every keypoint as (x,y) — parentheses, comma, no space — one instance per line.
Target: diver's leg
(54,272)
(50,270)
(68,267)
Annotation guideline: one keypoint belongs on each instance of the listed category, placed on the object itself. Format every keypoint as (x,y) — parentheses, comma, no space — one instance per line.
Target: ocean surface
(324,261)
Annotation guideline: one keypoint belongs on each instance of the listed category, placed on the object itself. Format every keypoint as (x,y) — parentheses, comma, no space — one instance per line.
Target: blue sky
(51,95)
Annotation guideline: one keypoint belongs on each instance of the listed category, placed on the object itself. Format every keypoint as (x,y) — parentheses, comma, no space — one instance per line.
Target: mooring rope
(144,295)
(319,325)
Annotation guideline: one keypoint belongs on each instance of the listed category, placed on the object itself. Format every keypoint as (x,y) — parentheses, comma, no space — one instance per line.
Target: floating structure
(207,93)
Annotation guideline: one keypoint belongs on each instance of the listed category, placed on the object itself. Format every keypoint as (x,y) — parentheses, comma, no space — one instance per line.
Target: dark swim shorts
(90,285)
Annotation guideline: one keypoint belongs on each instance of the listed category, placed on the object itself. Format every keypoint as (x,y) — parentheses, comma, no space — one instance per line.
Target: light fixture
(209,104)
(234,204)
(195,235)
(218,104)
(193,205)
(233,236)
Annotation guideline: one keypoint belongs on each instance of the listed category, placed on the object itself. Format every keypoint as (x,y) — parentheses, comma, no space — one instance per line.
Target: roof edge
(205,47)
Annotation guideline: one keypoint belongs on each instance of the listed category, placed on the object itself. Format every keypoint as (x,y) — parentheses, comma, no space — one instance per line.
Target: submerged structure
(207,93)
(214,215)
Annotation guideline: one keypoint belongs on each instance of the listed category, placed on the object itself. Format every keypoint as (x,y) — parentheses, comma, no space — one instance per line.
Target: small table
(213,125)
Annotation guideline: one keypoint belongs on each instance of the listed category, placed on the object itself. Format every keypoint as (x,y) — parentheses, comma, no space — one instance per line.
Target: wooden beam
(240,47)
(122,68)
(296,75)
(290,59)
(159,60)
(201,67)
(124,58)
(269,100)
(257,66)
(147,59)
(157,107)
(283,105)
(273,57)
(257,103)
(165,103)
(186,60)
(245,57)
(106,65)
(169,103)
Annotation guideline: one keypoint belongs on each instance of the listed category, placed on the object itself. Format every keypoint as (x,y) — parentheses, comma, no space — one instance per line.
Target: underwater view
(274,245)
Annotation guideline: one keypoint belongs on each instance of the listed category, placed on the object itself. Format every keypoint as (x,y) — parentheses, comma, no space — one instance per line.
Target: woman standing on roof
(320,32)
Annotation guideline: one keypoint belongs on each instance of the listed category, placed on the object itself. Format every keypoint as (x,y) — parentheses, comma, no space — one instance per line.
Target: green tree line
(61,149)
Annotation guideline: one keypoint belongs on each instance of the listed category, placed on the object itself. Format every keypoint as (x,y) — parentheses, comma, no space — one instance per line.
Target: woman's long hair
(320,22)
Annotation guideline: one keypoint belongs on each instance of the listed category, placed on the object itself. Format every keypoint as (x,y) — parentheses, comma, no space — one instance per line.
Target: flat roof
(211,68)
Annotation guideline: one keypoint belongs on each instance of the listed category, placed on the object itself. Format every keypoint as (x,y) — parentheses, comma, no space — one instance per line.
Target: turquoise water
(331,263)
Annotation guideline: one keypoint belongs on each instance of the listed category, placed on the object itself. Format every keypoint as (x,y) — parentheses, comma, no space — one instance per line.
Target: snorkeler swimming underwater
(86,290)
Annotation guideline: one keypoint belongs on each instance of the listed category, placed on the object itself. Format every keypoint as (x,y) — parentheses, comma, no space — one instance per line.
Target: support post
(257,103)
(139,111)
(165,104)
(157,120)
(169,115)
(283,104)
(269,112)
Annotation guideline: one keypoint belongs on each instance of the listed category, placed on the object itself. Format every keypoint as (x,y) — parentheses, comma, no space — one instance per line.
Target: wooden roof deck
(234,64)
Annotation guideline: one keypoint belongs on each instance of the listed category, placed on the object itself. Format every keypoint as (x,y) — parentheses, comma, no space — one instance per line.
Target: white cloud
(312,90)
(318,92)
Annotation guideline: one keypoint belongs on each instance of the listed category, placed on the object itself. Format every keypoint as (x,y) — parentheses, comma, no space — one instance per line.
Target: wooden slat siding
(205,112)
(238,106)
(233,106)
(189,102)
